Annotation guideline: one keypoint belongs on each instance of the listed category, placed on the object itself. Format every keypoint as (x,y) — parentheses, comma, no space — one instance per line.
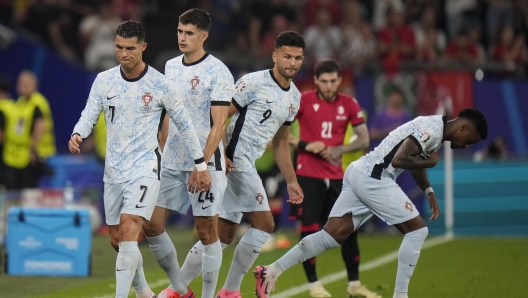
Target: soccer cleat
(223,293)
(362,292)
(170,293)
(146,294)
(318,291)
(265,284)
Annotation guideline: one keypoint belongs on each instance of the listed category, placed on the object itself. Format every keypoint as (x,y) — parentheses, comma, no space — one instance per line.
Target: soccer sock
(126,265)
(139,281)
(246,253)
(165,253)
(309,265)
(408,257)
(192,266)
(211,262)
(350,254)
(308,247)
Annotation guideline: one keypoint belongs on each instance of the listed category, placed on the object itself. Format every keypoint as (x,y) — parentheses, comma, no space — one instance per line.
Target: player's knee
(226,239)
(151,229)
(266,226)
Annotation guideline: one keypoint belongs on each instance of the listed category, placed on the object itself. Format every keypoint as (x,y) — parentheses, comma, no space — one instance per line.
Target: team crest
(340,110)
(259,197)
(147,98)
(291,109)
(424,137)
(316,106)
(409,206)
(195,82)
(240,86)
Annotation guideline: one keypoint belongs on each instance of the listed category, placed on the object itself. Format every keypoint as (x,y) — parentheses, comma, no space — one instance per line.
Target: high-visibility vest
(46,146)
(17,139)
(6,108)
(100,137)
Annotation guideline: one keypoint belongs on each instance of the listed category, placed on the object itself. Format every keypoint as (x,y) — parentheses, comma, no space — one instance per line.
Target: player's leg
(139,200)
(172,196)
(206,207)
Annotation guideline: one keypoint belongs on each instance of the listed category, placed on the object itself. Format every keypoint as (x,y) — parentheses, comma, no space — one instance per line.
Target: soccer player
(132,96)
(207,86)
(323,117)
(369,187)
(264,106)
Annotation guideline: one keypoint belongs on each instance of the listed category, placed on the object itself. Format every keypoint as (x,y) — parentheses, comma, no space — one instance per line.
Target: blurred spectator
(460,14)
(499,14)
(496,150)
(97,34)
(238,54)
(323,40)
(128,9)
(29,135)
(359,43)
(461,50)
(414,9)
(279,23)
(510,49)
(312,7)
(396,40)
(6,110)
(380,12)
(261,21)
(431,42)
(220,11)
(521,15)
(475,37)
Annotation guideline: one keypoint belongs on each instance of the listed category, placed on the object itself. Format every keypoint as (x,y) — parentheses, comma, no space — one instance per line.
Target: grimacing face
(190,38)
(465,136)
(288,60)
(327,84)
(129,52)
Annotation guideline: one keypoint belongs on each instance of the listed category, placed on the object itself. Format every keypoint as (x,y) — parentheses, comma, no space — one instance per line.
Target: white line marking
(385,259)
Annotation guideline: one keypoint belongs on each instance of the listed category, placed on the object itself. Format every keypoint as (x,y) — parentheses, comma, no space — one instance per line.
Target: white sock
(192,266)
(309,247)
(352,284)
(126,264)
(246,253)
(165,253)
(139,282)
(211,262)
(399,295)
(407,258)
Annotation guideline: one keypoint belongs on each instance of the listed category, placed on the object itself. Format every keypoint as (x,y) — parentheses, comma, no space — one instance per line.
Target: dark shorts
(319,198)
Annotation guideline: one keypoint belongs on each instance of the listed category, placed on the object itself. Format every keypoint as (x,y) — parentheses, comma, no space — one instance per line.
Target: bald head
(27,83)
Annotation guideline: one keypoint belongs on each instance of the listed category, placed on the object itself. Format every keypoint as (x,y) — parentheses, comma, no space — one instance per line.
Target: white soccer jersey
(202,84)
(132,109)
(427,132)
(263,107)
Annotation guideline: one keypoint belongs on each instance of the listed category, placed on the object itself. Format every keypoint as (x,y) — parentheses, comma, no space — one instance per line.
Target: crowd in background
(364,35)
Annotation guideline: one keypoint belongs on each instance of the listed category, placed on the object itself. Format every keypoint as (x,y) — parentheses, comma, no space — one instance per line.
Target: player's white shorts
(136,197)
(244,193)
(363,196)
(174,196)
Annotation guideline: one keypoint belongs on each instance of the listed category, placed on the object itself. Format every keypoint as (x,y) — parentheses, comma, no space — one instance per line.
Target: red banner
(444,93)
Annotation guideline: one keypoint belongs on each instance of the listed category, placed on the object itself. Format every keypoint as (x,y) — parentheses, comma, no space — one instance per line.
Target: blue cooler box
(54,242)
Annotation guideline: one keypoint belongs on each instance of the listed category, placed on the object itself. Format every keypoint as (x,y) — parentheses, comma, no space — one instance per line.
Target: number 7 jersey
(263,107)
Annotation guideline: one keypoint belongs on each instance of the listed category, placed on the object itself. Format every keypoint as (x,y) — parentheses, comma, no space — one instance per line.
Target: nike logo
(267,101)
(140,206)
(203,208)
(120,269)
(110,97)
(256,251)
(412,265)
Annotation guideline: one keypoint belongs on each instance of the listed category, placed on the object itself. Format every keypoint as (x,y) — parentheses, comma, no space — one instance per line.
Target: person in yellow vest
(29,137)
(6,108)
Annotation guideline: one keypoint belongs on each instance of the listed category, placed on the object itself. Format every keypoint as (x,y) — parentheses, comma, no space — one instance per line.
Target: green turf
(463,267)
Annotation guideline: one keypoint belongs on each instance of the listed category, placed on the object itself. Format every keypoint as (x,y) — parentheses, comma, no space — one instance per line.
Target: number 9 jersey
(263,106)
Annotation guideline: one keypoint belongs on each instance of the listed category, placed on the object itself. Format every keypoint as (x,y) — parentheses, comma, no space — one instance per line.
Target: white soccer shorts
(174,194)
(244,193)
(363,196)
(137,197)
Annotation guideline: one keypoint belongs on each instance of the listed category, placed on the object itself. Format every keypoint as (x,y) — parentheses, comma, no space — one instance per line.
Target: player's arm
(421,178)
(219,112)
(281,149)
(312,147)
(360,143)
(89,116)
(164,133)
(407,157)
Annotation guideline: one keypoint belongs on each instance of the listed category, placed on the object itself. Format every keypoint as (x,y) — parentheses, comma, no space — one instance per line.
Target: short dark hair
(289,39)
(327,66)
(5,83)
(130,29)
(396,89)
(478,118)
(197,17)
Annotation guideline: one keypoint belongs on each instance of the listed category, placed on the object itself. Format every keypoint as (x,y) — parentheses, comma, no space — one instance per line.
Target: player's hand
(203,181)
(433,206)
(331,154)
(74,143)
(315,147)
(229,165)
(192,184)
(295,193)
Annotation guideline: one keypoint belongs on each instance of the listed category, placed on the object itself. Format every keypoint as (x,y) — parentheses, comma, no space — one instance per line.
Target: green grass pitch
(462,267)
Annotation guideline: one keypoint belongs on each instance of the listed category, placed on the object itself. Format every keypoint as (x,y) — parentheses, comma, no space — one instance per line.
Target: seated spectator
(430,42)
(312,7)
(323,40)
(497,150)
(461,50)
(510,49)
(261,20)
(396,40)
